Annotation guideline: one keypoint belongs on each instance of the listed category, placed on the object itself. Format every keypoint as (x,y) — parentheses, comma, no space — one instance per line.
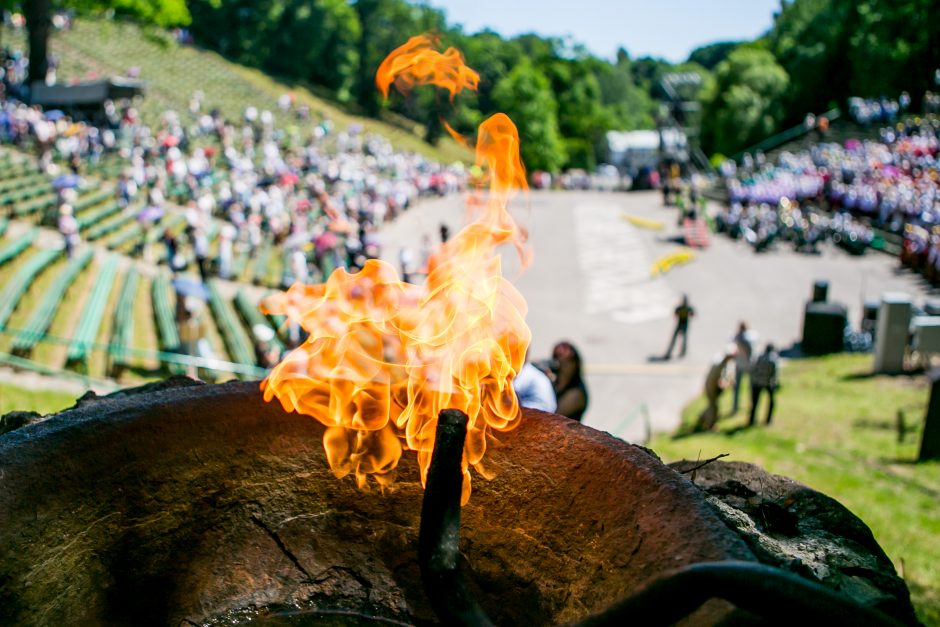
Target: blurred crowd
(844,193)
(316,193)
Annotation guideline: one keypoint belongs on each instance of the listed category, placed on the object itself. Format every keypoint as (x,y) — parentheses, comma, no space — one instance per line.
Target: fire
(418,63)
(384,357)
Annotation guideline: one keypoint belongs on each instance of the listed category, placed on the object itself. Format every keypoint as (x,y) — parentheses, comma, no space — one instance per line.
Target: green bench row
(17,285)
(20,182)
(12,250)
(41,197)
(123,331)
(90,218)
(253,317)
(93,314)
(239,348)
(41,317)
(165,318)
(108,226)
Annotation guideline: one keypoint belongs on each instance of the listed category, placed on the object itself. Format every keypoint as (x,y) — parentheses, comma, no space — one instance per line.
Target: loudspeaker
(823,328)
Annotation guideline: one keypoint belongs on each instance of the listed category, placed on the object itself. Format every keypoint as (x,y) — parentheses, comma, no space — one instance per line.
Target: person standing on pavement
(744,350)
(683,313)
(764,379)
(716,380)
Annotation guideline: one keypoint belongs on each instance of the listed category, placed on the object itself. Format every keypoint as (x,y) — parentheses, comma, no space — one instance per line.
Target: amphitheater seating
(20,182)
(250,314)
(91,199)
(171,222)
(260,267)
(96,215)
(17,285)
(12,250)
(123,331)
(121,239)
(239,348)
(110,225)
(165,319)
(33,201)
(239,264)
(40,319)
(93,314)
(4,223)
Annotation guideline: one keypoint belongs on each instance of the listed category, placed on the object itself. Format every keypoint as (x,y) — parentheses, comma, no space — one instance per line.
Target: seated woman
(570,389)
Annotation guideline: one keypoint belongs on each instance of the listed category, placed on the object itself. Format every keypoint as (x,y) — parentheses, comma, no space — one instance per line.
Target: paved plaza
(590,283)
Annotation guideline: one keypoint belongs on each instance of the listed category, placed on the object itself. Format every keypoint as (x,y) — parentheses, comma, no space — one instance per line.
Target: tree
(743,103)
(709,56)
(316,41)
(583,120)
(161,13)
(525,96)
(386,24)
(810,39)
(38,23)
(629,103)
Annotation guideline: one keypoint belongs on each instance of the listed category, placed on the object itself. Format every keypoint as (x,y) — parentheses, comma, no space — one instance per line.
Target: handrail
(784,136)
(218,365)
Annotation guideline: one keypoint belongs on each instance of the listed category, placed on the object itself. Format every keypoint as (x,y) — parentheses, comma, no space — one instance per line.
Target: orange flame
(416,62)
(384,357)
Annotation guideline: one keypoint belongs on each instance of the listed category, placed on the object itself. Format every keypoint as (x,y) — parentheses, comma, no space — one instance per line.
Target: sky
(669,29)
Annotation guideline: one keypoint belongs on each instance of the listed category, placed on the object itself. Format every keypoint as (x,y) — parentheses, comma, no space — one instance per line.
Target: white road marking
(617,268)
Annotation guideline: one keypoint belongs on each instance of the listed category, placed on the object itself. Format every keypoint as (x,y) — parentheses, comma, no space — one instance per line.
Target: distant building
(634,151)
(84,100)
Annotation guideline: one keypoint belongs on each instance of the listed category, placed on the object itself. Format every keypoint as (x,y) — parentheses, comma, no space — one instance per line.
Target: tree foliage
(338,45)
(743,103)
(525,96)
(831,50)
(835,49)
(709,56)
(311,40)
(816,54)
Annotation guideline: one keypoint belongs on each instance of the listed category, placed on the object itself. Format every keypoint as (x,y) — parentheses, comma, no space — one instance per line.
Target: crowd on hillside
(316,193)
(247,189)
(846,193)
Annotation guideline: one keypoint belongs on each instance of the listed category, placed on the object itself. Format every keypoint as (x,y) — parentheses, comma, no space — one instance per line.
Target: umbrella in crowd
(66,181)
(191,287)
(55,114)
(150,214)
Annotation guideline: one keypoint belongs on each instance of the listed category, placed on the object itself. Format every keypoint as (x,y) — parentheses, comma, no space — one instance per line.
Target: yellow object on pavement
(666,263)
(643,223)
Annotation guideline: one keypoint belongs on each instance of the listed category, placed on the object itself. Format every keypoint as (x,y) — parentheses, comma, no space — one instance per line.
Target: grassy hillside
(173,72)
(43,401)
(835,429)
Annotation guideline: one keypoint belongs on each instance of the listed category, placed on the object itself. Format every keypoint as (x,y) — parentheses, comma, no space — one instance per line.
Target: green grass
(173,72)
(43,401)
(835,430)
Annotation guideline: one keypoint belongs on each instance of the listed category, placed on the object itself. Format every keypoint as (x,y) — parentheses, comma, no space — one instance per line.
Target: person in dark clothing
(764,379)
(683,313)
(570,390)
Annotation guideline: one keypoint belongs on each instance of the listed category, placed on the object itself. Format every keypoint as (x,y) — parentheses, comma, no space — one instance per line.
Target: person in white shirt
(534,389)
